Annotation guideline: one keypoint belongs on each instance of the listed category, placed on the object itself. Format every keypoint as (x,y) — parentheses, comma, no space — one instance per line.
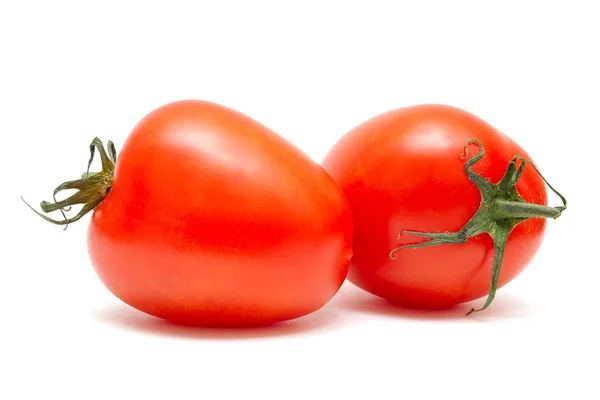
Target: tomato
(213,219)
(461,235)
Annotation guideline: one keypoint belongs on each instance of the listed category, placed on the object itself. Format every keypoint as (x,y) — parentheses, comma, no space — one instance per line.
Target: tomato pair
(209,218)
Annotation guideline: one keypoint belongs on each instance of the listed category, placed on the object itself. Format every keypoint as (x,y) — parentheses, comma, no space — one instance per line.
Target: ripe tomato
(403,171)
(213,219)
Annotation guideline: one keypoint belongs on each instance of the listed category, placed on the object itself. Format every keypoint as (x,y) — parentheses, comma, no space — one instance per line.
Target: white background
(310,71)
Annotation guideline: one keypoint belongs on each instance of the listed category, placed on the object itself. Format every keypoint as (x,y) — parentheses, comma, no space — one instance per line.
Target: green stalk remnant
(501,209)
(92,188)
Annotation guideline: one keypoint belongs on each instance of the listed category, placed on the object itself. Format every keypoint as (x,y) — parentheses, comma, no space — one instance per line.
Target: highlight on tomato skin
(446,208)
(208,218)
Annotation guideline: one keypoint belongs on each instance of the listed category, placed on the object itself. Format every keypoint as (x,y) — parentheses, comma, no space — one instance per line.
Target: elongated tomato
(213,219)
(447,209)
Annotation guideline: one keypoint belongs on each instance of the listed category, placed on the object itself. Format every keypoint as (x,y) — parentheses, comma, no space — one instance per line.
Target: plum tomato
(446,208)
(209,218)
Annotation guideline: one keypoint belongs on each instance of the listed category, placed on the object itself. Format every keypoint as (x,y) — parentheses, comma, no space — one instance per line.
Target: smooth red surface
(402,170)
(213,219)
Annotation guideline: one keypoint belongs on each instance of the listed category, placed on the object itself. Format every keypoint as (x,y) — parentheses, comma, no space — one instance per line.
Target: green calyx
(501,209)
(92,188)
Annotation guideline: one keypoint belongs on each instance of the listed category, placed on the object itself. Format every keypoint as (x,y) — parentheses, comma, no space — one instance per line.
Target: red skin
(215,220)
(402,171)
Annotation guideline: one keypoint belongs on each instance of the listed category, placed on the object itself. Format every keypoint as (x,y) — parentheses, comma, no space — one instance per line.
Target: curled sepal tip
(92,188)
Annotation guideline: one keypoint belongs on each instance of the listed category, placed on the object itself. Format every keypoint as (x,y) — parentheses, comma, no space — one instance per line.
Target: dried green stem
(92,188)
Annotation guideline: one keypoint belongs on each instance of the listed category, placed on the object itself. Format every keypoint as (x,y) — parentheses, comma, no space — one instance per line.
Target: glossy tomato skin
(215,220)
(402,170)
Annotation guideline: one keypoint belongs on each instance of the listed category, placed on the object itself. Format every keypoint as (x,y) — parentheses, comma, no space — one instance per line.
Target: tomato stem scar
(501,209)
(92,188)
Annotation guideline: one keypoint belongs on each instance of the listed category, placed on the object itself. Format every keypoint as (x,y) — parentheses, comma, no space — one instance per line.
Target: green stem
(501,209)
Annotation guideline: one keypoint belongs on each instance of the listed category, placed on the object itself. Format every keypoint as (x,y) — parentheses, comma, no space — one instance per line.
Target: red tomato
(213,219)
(403,170)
